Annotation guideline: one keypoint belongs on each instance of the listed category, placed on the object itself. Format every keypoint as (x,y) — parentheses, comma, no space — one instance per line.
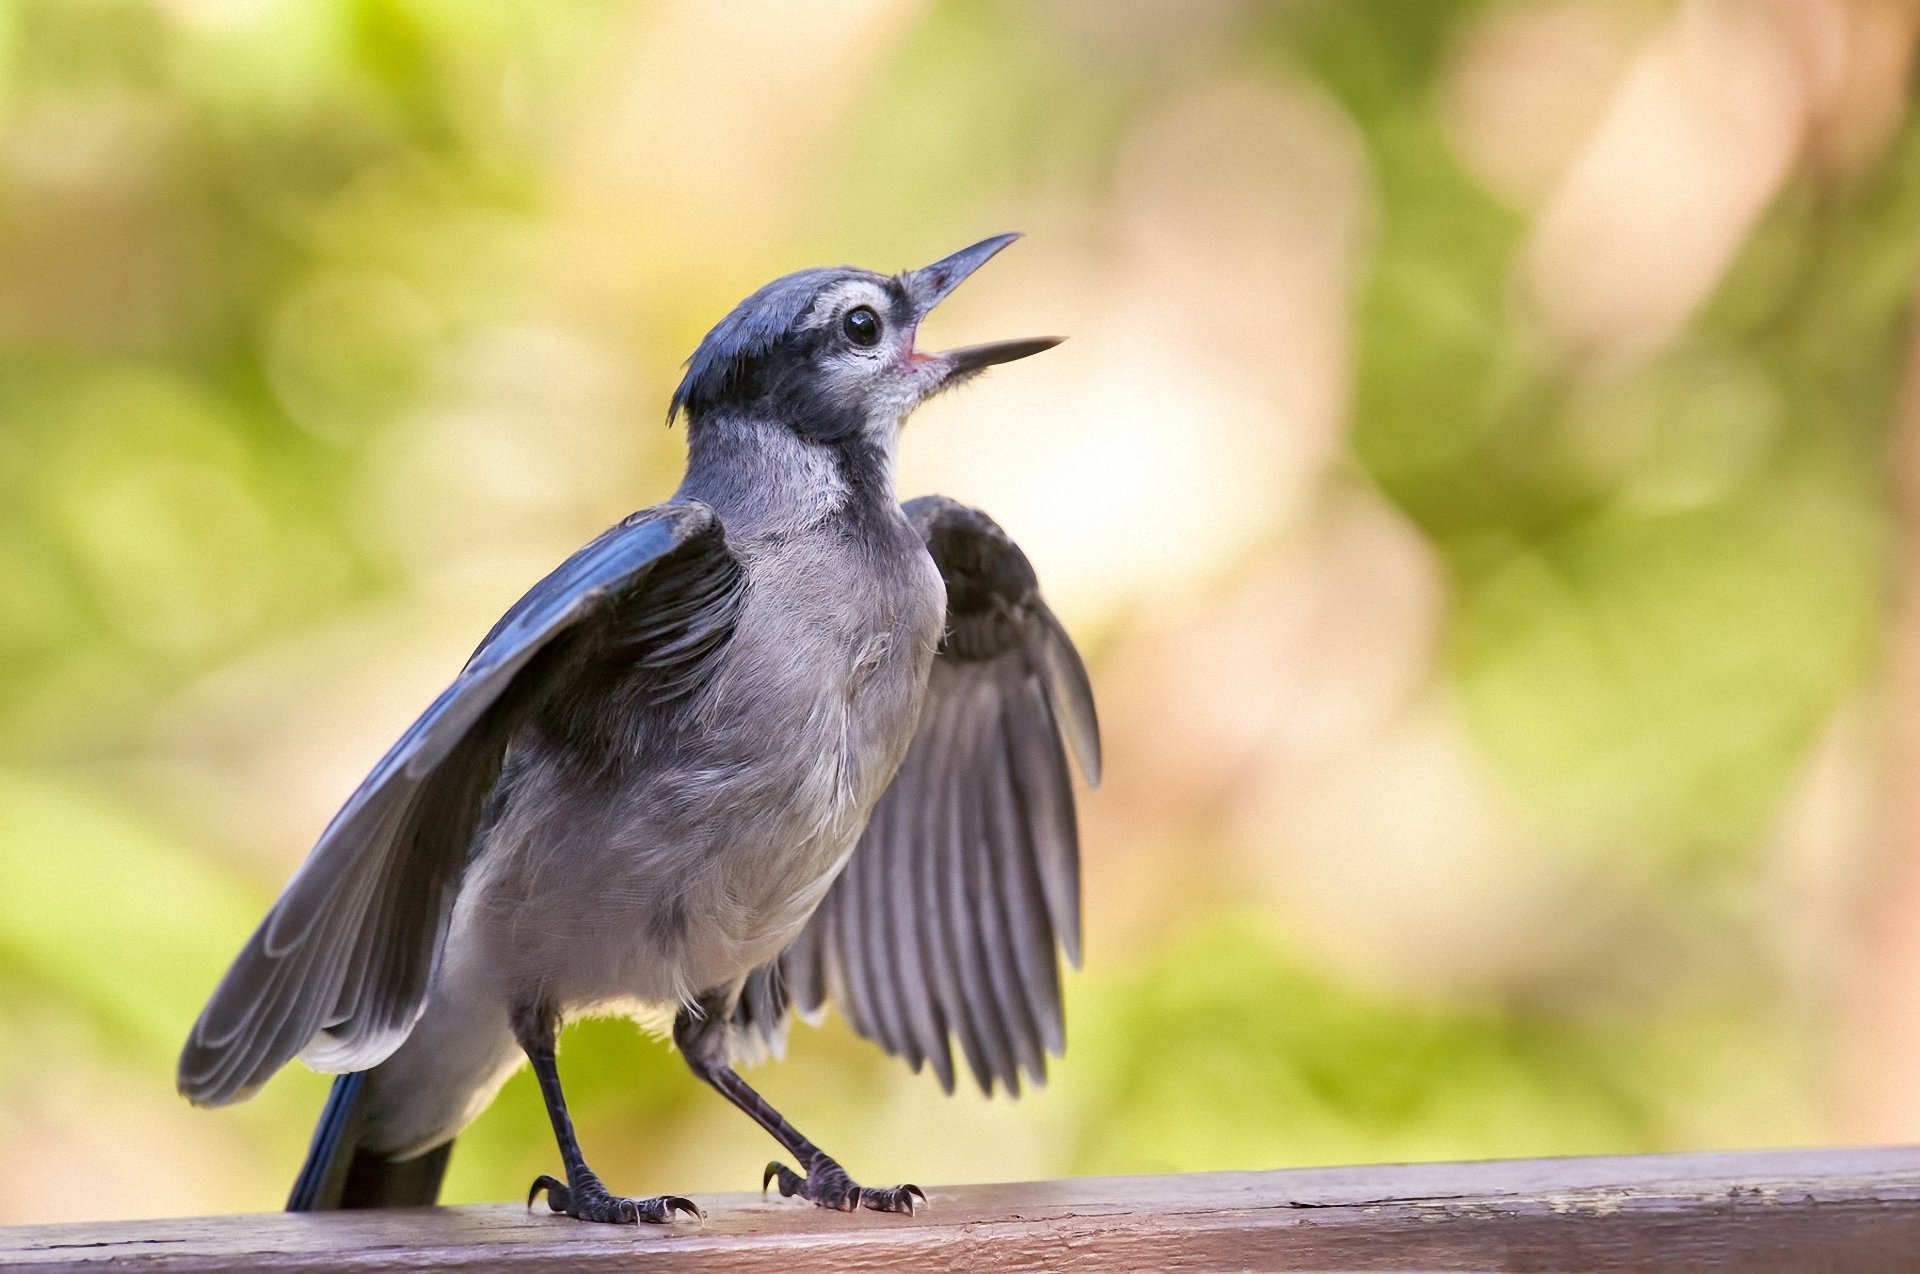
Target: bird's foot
(827,1185)
(588,1200)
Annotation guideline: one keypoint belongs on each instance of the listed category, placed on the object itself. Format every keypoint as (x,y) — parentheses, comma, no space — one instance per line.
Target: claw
(791,1182)
(826,1185)
(593,1203)
(898,1199)
(556,1193)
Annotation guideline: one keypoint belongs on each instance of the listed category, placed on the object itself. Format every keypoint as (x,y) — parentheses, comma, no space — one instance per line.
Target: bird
(776,744)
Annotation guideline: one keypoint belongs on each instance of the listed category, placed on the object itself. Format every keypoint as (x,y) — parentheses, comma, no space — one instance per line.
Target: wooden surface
(1826,1210)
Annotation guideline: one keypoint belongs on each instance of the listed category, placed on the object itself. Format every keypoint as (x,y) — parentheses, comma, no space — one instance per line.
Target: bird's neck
(760,476)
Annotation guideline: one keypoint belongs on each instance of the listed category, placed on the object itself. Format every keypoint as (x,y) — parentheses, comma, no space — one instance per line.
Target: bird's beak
(930,285)
(971,358)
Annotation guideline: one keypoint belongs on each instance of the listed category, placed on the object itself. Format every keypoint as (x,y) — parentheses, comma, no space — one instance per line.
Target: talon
(592,1202)
(557,1193)
(826,1185)
(791,1182)
(898,1199)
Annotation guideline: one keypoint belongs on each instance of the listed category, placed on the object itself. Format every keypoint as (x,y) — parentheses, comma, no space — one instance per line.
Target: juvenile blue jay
(775,742)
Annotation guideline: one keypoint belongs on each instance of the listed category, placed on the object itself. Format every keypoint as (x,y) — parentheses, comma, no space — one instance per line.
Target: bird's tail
(340,1173)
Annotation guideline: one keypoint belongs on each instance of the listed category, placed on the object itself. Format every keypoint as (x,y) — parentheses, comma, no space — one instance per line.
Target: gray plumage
(774,743)
(946,919)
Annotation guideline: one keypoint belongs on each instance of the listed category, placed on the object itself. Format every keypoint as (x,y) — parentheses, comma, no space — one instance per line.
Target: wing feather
(1030,933)
(339,969)
(941,802)
(949,922)
(876,955)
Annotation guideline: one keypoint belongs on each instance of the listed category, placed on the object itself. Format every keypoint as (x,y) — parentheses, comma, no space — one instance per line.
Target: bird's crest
(746,334)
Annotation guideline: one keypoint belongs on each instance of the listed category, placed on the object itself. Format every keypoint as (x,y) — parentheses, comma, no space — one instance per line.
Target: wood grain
(1776,1210)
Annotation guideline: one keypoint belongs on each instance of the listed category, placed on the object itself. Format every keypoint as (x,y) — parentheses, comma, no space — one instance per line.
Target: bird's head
(830,352)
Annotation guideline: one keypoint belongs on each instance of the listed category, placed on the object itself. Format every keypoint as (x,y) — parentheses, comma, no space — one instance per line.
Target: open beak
(971,358)
(930,285)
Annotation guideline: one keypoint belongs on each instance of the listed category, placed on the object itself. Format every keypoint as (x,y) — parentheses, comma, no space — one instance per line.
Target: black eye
(862,326)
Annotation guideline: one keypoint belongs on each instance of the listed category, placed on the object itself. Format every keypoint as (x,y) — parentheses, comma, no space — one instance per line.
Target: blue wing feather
(339,968)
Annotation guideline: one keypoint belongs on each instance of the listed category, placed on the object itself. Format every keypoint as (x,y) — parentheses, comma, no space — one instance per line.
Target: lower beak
(969,359)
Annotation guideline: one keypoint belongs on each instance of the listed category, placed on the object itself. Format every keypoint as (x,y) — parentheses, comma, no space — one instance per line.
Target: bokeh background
(1481,474)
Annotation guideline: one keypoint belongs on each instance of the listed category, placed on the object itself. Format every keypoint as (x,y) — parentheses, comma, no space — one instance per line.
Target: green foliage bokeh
(1662,586)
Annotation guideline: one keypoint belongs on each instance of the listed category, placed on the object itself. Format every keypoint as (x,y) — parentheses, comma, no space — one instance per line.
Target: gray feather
(964,892)
(666,780)
(340,967)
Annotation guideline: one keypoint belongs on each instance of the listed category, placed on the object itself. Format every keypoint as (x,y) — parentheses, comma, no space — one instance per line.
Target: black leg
(581,1195)
(701,1040)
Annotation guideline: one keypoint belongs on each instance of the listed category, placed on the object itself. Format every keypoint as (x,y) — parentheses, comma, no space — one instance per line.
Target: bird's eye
(862,326)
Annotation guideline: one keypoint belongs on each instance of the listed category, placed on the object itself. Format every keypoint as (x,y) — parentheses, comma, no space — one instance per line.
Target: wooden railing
(1773,1210)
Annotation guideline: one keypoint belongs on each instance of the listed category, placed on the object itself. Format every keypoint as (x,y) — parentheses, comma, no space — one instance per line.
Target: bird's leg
(581,1195)
(701,1038)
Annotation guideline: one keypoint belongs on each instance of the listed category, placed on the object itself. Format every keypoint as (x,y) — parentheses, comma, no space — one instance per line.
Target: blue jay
(776,742)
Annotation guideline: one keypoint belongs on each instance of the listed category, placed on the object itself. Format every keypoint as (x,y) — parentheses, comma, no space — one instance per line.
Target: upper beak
(931,284)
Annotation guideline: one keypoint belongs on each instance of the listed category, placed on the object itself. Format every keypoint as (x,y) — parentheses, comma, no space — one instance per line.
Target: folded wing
(338,971)
(951,915)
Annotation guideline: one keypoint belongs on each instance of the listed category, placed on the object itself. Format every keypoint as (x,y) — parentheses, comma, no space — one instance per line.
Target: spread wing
(338,970)
(950,916)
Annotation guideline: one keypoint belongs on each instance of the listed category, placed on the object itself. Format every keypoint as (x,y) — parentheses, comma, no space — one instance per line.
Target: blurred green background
(1476,476)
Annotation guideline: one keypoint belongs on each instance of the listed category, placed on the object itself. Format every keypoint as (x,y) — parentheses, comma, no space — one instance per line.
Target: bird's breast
(830,666)
(851,643)
(701,855)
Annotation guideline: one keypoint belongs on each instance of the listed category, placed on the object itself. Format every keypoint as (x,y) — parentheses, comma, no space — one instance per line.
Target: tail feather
(340,1173)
